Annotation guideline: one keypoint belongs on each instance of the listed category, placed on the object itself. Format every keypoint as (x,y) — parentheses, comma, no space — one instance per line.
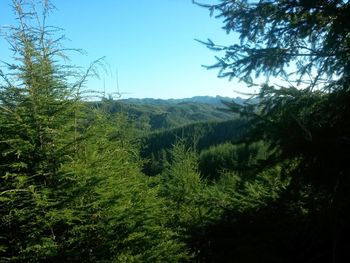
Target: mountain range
(217,100)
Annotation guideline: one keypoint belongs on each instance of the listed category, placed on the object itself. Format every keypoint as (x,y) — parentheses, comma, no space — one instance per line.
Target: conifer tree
(71,188)
(36,136)
(306,118)
(121,218)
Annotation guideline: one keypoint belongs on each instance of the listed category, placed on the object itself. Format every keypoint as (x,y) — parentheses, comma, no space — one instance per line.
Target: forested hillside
(266,180)
(156,114)
(197,136)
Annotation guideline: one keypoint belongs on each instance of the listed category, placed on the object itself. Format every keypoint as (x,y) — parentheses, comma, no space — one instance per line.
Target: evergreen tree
(37,135)
(307,120)
(312,35)
(121,218)
(71,188)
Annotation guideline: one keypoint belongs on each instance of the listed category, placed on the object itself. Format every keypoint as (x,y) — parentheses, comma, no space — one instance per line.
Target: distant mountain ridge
(215,101)
(151,115)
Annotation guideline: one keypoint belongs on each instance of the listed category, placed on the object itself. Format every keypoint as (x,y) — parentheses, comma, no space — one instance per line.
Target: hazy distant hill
(158,114)
(217,101)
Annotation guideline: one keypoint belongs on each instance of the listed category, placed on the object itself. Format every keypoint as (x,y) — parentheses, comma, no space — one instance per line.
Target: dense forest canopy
(84,181)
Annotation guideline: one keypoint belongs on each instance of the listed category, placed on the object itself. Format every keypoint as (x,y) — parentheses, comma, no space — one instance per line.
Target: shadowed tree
(307,44)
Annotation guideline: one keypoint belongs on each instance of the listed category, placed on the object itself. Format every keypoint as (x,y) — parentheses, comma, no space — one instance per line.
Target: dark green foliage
(241,158)
(244,218)
(304,42)
(319,123)
(199,136)
(312,35)
(310,123)
(228,219)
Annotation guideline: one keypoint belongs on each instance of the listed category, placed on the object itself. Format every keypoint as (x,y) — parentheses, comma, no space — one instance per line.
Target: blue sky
(150,42)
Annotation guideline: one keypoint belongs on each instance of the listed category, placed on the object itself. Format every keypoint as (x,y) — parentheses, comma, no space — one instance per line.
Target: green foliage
(304,42)
(319,124)
(181,186)
(210,216)
(269,187)
(71,188)
(240,193)
(311,35)
(36,137)
(199,136)
(259,220)
(241,158)
(181,181)
(310,123)
(121,219)
(151,115)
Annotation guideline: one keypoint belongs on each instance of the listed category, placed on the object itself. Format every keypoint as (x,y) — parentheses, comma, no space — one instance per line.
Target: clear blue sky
(151,42)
